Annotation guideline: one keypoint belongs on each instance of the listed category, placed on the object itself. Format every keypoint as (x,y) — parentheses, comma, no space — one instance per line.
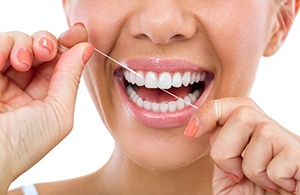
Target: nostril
(177,37)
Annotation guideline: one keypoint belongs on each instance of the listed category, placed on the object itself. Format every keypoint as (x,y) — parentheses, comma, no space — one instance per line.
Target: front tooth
(172,106)
(155,107)
(132,78)
(147,105)
(165,80)
(140,81)
(186,79)
(164,107)
(151,80)
(177,80)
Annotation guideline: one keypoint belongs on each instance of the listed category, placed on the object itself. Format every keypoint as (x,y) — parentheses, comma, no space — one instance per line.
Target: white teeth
(151,80)
(163,107)
(177,80)
(186,79)
(140,81)
(164,80)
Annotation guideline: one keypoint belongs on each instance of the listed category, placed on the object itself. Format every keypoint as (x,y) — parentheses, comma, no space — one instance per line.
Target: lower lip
(159,120)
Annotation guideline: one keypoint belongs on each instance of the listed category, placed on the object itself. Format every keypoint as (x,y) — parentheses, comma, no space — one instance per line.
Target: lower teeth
(171,106)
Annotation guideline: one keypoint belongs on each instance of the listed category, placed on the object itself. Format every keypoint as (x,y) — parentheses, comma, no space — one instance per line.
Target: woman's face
(201,49)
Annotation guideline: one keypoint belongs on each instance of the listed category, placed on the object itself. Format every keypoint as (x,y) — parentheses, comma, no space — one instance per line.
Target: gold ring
(218,109)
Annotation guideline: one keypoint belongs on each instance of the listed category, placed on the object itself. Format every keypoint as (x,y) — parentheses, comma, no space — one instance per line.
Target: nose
(163,22)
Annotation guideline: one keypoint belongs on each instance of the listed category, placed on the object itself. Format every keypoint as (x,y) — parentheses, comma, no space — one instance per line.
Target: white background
(89,145)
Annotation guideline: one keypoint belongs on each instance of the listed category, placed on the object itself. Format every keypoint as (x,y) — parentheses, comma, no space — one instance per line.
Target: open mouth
(145,98)
(146,92)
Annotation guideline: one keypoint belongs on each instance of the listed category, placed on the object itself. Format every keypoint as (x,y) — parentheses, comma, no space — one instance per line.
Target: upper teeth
(164,80)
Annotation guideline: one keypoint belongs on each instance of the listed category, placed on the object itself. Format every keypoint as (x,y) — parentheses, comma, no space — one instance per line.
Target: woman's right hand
(38,87)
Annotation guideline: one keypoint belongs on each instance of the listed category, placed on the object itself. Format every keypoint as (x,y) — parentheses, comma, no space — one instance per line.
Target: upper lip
(163,65)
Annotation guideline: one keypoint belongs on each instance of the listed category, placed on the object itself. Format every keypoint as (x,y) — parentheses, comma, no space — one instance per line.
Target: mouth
(151,106)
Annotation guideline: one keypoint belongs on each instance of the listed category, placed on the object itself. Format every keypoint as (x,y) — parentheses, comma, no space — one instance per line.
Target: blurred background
(89,145)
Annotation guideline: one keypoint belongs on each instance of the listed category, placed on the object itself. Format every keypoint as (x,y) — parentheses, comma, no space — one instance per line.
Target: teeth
(163,106)
(177,80)
(164,80)
(151,80)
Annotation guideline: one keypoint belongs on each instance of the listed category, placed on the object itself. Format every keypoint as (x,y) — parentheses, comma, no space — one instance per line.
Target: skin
(208,162)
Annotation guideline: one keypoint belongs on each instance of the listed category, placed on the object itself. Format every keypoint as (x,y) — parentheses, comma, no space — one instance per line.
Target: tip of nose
(167,26)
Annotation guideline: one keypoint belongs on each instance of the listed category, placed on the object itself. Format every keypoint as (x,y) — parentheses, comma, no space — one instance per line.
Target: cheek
(239,42)
(102,19)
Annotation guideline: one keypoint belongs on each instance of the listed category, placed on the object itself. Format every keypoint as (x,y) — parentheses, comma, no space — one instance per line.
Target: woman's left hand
(252,153)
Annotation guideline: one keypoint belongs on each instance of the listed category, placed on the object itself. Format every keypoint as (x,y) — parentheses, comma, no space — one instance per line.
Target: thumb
(74,35)
(66,77)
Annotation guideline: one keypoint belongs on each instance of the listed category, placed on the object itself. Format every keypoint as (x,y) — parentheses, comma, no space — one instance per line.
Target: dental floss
(62,49)
(175,96)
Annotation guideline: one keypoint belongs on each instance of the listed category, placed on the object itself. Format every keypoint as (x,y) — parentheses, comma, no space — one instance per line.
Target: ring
(218,109)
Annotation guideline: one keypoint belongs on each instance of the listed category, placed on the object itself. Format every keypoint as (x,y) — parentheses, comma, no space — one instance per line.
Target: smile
(151,106)
(181,82)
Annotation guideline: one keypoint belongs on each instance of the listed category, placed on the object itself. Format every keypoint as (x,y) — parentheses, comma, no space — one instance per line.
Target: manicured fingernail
(233,177)
(2,61)
(66,32)
(87,53)
(46,43)
(192,128)
(268,189)
(24,56)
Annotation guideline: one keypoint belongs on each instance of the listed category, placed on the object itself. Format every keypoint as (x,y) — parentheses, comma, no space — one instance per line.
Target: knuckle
(243,113)
(5,39)
(217,155)
(266,131)
(250,171)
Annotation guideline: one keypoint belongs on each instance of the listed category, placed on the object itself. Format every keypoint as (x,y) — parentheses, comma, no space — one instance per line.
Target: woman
(204,51)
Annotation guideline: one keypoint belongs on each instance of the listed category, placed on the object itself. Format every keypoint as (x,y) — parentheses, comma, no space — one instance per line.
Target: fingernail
(24,56)
(192,128)
(87,53)
(2,60)
(268,189)
(233,177)
(46,43)
(64,33)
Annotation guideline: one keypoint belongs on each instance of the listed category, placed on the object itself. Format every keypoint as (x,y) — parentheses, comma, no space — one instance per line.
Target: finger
(21,54)
(284,169)
(44,47)
(205,119)
(21,79)
(74,35)
(233,138)
(65,80)
(260,151)
(6,43)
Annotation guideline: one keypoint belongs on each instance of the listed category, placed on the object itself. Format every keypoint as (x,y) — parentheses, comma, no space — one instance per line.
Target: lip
(159,120)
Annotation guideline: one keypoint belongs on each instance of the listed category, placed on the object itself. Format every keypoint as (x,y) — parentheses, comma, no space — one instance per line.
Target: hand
(252,153)
(38,87)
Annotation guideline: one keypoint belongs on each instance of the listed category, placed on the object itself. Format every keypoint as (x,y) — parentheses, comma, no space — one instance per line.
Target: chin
(160,149)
